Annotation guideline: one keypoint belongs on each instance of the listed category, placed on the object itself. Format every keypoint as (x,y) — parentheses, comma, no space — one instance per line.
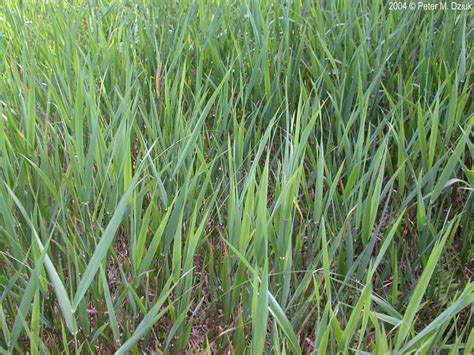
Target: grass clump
(251,177)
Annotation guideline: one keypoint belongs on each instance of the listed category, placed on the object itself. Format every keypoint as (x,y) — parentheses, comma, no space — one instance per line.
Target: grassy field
(235,176)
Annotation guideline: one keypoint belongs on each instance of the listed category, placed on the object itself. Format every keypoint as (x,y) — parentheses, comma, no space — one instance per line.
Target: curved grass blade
(59,290)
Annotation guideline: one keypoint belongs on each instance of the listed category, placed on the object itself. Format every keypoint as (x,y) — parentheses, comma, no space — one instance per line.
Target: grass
(245,176)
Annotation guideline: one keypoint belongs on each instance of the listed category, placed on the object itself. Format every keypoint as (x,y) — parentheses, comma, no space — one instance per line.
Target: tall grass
(244,176)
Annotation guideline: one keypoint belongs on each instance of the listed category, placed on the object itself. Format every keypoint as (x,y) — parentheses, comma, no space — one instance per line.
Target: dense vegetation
(244,176)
